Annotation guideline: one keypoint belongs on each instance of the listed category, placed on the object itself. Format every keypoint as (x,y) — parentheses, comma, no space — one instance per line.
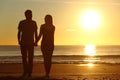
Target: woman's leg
(47,61)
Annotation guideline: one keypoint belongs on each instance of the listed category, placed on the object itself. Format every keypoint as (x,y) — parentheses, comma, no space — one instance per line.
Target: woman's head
(48,19)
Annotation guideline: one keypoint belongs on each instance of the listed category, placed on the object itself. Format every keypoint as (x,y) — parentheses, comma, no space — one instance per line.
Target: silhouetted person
(27,32)
(47,43)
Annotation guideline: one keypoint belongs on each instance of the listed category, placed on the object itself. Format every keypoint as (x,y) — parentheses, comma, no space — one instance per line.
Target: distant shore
(62,71)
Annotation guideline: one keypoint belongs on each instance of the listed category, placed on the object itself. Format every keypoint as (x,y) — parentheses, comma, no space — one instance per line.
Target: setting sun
(90,19)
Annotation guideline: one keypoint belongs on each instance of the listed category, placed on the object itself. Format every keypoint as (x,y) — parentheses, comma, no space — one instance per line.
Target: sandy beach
(13,71)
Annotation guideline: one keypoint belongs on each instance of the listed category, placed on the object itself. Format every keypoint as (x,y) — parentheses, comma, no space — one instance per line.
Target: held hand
(19,42)
(35,44)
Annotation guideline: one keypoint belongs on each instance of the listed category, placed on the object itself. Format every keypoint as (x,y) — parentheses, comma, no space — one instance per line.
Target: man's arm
(35,44)
(19,33)
(39,36)
(35,34)
(19,36)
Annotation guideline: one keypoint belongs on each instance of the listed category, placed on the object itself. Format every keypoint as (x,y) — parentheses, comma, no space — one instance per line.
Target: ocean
(107,54)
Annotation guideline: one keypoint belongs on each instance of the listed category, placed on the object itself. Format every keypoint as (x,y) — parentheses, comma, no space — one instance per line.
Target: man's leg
(24,59)
(30,59)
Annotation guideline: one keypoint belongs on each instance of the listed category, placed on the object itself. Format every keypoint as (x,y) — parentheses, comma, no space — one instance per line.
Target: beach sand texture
(13,71)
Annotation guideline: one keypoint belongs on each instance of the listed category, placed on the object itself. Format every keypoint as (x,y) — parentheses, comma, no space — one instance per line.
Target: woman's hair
(48,19)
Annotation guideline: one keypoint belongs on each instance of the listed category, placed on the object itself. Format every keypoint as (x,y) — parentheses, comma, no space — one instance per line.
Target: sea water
(108,54)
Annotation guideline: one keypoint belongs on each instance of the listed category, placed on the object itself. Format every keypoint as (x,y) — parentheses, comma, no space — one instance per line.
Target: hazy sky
(66,16)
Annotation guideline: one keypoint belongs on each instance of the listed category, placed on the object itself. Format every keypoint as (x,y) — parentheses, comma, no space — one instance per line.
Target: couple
(27,32)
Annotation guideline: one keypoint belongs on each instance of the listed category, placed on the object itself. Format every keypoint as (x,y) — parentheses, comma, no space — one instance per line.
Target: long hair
(48,19)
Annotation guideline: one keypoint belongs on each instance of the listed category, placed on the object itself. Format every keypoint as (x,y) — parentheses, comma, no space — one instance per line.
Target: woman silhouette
(47,43)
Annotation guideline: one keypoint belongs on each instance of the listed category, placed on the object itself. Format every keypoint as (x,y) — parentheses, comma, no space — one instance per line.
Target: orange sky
(66,15)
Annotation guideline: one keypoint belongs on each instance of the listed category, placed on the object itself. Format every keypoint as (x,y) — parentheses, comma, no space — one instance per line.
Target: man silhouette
(27,32)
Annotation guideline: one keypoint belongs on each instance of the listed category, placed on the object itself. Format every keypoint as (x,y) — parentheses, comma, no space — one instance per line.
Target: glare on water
(90,50)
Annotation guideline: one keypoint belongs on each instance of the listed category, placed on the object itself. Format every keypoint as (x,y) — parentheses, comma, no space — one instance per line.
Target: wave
(67,59)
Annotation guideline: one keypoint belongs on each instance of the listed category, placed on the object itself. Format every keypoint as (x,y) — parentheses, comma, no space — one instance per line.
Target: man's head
(28,14)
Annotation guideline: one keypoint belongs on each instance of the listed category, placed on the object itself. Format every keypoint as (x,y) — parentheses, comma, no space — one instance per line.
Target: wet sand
(13,71)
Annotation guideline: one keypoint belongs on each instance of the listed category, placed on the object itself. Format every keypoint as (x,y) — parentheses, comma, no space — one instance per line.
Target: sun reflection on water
(89,65)
(91,59)
(90,50)
(90,56)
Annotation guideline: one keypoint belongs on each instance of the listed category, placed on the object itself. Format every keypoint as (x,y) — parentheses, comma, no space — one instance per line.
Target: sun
(90,19)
